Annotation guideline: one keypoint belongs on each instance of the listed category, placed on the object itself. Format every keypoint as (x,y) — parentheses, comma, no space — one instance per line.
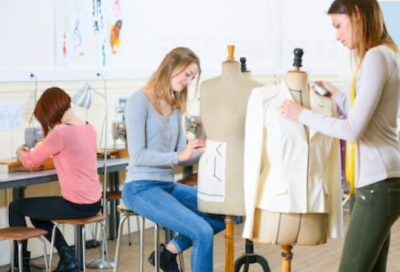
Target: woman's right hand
(193,146)
(332,89)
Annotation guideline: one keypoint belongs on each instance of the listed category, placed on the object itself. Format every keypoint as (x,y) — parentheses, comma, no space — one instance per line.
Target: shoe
(168,261)
(26,257)
(67,261)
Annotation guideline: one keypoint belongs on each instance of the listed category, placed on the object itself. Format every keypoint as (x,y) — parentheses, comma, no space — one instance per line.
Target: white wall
(265,31)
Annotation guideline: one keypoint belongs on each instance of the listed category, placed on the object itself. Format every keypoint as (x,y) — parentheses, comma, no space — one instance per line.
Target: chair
(126,213)
(80,223)
(19,234)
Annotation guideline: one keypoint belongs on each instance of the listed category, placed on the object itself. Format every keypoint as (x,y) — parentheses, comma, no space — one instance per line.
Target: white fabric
(302,171)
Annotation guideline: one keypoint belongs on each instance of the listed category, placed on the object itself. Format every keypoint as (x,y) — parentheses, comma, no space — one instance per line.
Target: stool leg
(44,253)
(12,256)
(104,255)
(129,233)
(156,246)
(118,245)
(84,247)
(138,226)
(141,250)
(19,256)
(53,237)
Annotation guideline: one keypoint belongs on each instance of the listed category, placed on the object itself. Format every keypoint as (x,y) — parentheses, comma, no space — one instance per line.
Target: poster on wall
(88,34)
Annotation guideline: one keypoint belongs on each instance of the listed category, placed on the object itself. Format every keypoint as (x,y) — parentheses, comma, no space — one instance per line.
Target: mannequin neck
(297,83)
(230,68)
(247,74)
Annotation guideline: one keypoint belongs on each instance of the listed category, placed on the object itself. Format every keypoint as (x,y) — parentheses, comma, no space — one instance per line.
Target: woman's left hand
(21,151)
(291,110)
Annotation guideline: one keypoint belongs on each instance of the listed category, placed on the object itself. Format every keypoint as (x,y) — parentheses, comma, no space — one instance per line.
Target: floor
(306,259)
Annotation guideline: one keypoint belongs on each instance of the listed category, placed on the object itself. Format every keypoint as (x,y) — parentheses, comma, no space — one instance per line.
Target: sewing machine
(33,135)
(118,131)
(193,127)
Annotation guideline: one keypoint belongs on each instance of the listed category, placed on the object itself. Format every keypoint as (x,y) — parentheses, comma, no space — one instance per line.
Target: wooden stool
(20,234)
(126,213)
(80,223)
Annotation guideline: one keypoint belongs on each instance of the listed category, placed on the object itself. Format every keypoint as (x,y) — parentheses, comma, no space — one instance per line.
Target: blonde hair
(173,63)
(371,31)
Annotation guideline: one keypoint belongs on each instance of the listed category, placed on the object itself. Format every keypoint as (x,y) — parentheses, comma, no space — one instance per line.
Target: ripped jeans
(174,206)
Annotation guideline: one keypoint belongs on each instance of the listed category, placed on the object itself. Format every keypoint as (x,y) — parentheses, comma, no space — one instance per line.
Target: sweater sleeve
(51,145)
(137,110)
(370,85)
(342,102)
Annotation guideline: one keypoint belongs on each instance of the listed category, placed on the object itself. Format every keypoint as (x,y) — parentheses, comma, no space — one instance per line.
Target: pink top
(74,151)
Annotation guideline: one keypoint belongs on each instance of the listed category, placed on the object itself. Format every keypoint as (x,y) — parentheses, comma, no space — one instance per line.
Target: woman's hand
(193,146)
(21,151)
(290,110)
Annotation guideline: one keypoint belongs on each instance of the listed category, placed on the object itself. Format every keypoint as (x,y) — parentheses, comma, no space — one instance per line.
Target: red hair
(50,108)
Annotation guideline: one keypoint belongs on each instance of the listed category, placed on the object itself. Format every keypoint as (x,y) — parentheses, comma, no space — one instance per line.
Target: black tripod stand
(249,257)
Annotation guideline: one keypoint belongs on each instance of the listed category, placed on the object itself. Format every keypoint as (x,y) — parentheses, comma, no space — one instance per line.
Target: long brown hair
(50,108)
(371,31)
(173,63)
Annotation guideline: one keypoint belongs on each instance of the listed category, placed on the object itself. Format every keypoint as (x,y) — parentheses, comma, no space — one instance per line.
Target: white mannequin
(223,102)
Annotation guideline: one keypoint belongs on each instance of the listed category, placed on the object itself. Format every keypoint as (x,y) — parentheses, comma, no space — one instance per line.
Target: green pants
(376,208)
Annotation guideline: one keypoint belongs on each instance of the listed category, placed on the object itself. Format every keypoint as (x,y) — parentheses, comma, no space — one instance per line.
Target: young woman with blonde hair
(157,143)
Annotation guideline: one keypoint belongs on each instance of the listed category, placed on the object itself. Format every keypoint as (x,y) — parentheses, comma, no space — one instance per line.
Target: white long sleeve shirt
(372,120)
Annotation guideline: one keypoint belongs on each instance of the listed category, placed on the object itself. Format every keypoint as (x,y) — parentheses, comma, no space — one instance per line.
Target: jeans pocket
(364,196)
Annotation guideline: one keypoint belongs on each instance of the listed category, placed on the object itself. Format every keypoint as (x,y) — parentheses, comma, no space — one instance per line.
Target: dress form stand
(223,102)
(230,219)
(249,257)
(297,82)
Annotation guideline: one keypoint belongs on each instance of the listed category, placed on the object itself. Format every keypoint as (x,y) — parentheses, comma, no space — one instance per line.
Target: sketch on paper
(212,172)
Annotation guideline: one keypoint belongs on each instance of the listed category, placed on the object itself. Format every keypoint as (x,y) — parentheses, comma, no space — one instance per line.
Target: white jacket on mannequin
(301,170)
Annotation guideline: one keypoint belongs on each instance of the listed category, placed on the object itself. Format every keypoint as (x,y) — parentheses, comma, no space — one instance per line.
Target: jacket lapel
(284,94)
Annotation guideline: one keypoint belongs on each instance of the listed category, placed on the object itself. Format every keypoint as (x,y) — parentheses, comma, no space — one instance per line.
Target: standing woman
(72,144)
(373,155)
(157,143)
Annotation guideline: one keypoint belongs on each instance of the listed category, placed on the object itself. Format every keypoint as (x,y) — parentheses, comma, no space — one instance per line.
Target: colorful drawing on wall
(115,37)
(88,33)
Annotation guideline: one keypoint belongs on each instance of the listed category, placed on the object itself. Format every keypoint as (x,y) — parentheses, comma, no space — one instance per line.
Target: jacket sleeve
(252,157)
(336,225)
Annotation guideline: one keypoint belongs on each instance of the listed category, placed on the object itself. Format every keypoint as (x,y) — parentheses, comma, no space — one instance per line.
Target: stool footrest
(83,221)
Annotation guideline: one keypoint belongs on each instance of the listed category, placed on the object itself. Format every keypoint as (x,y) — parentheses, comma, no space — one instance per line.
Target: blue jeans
(174,206)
